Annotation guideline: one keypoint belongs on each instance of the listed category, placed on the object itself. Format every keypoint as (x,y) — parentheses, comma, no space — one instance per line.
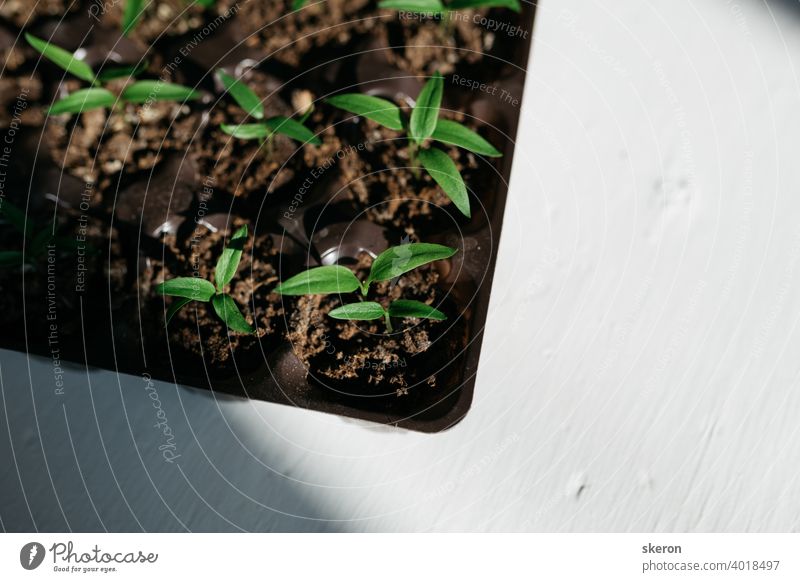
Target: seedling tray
(156,191)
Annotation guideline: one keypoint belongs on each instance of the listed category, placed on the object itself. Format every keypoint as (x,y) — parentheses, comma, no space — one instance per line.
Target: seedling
(96,97)
(188,289)
(443,8)
(391,263)
(134,9)
(265,128)
(37,238)
(423,127)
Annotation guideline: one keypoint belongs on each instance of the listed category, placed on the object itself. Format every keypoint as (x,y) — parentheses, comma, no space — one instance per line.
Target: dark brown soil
(361,357)
(25,12)
(196,332)
(17,101)
(164,18)
(286,36)
(392,194)
(144,172)
(99,144)
(12,54)
(245,167)
(426,45)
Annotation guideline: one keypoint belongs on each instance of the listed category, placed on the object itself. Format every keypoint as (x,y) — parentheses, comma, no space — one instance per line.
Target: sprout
(131,14)
(424,126)
(403,308)
(265,128)
(96,97)
(188,289)
(391,263)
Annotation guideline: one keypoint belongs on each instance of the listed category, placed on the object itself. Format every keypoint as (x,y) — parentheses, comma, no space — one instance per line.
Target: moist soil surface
(363,358)
(381,183)
(22,12)
(422,46)
(196,334)
(99,145)
(151,192)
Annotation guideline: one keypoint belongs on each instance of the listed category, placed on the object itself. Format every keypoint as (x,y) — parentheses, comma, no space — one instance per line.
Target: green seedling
(265,128)
(37,238)
(96,96)
(423,127)
(131,14)
(188,289)
(134,9)
(390,264)
(438,7)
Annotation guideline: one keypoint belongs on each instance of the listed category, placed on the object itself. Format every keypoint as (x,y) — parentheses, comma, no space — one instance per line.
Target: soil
(24,12)
(196,334)
(12,54)
(163,18)
(380,183)
(288,36)
(16,96)
(20,89)
(361,358)
(245,167)
(99,144)
(422,46)
(156,189)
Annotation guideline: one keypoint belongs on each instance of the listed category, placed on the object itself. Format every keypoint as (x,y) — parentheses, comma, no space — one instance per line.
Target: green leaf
(64,59)
(193,288)
(426,109)
(453,133)
(128,71)
(364,311)
(11,258)
(467,4)
(378,110)
(411,308)
(157,90)
(206,3)
(177,304)
(293,129)
(244,96)
(329,279)
(15,217)
(228,261)
(246,130)
(228,312)
(131,14)
(444,172)
(298,4)
(434,6)
(395,261)
(83,100)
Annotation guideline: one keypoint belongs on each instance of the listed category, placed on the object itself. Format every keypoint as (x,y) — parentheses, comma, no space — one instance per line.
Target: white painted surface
(640,370)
